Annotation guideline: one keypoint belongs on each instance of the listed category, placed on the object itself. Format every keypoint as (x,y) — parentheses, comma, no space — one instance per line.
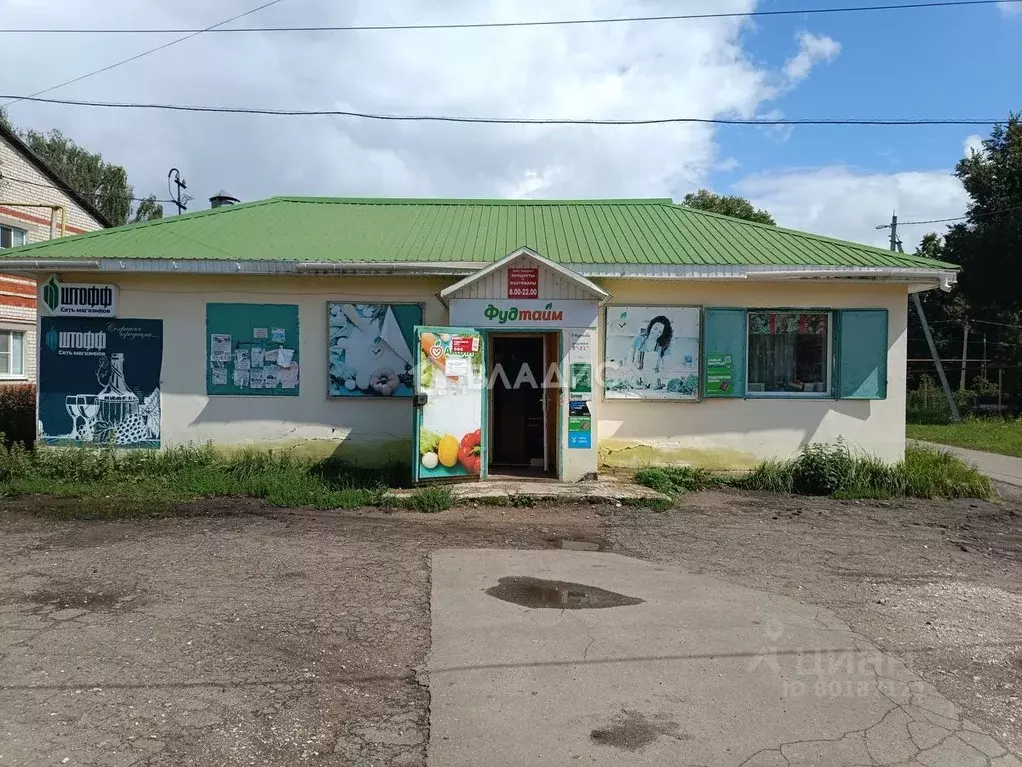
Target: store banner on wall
(99,381)
(65,299)
(652,352)
(370,352)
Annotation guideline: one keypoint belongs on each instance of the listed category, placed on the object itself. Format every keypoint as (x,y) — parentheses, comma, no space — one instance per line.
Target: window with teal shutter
(725,336)
(862,354)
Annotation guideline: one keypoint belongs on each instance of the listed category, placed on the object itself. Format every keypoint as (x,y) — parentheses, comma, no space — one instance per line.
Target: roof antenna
(181,200)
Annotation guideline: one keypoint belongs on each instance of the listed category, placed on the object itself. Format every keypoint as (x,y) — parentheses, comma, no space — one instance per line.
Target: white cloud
(972,144)
(695,68)
(812,49)
(727,164)
(849,204)
(1010,9)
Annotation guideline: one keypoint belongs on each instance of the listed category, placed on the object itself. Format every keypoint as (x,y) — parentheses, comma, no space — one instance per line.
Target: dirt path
(278,637)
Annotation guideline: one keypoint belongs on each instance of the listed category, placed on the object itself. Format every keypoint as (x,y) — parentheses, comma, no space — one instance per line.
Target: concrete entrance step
(506,489)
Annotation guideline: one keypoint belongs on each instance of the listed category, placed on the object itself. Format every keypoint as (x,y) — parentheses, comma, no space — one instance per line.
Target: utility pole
(984,356)
(965,354)
(951,404)
(180,199)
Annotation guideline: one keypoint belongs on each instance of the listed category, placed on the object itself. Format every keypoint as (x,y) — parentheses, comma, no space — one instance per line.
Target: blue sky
(950,62)
(838,181)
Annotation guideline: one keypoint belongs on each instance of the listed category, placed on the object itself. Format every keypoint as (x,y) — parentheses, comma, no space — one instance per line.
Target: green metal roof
(571,232)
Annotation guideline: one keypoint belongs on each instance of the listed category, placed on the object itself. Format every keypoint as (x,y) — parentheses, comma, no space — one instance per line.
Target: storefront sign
(522,282)
(99,381)
(720,371)
(65,299)
(522,315)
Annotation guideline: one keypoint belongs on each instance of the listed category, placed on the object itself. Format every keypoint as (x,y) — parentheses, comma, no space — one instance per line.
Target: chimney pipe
(221,199)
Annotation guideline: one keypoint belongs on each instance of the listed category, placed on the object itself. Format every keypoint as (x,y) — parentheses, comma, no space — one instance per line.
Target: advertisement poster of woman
(652,352)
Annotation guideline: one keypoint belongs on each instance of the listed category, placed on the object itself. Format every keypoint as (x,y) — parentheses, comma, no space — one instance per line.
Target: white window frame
(22,376)
(827,357)
(14,229)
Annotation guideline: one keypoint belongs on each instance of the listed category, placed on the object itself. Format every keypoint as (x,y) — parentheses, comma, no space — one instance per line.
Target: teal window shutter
(862,354)
(725,336)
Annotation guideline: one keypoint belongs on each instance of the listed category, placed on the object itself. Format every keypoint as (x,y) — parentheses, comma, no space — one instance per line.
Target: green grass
(992,435)
(151,483)
(834,470)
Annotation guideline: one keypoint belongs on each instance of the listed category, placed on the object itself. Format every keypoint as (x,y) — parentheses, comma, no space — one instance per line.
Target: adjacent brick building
(35,205)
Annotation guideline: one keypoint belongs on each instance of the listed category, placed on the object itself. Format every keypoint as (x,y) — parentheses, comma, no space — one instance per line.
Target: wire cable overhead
(507,120)
(189,36)
(219,28)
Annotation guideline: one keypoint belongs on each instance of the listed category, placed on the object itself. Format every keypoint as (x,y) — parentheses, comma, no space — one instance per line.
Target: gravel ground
(270,638)
(245,635)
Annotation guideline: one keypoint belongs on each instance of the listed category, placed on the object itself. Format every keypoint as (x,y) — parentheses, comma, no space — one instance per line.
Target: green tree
(727,205)
(988,244)
(104,184)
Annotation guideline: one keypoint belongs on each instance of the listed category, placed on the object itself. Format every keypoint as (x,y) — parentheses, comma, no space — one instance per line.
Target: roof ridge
(474,201)
(798,233)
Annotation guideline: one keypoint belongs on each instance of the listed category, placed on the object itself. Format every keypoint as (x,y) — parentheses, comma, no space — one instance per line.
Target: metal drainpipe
(52,208)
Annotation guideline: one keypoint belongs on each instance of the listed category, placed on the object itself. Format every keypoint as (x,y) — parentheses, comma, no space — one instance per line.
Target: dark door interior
(518,434)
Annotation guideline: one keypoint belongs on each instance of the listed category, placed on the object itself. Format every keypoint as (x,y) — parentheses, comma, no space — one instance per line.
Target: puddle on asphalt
(632,732)
(570,545)
(558,595)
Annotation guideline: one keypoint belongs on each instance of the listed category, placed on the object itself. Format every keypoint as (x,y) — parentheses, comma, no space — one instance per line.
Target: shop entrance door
(522,417)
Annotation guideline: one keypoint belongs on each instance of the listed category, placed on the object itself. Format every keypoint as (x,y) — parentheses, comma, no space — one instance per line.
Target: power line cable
(107,68)
(5,177)
(510,24)
(956,218)
(508,120)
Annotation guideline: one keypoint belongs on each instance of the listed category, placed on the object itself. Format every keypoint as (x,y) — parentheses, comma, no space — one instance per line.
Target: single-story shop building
(474,336)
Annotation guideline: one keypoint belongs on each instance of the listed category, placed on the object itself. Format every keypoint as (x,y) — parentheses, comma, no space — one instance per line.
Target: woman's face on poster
(656,330)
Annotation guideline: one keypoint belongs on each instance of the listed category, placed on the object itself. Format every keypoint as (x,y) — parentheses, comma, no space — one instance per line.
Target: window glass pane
(18,238)
(788,352)
(5,237)
(5,341)
(18,354)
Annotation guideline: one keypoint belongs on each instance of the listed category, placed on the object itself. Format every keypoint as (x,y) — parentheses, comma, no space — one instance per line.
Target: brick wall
(22,182)
(16,172)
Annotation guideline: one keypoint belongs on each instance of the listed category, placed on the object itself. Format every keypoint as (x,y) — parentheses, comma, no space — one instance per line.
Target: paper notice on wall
(270,356)
(257,356)
(289,377)
(219,347)
(284,357)
(455,367)
(580,346)
(260,334)
(271,377)
(242,359)
(219,376)
(240,379)
(256,379)
(278,335)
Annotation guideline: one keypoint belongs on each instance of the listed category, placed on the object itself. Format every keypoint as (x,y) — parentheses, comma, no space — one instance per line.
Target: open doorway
(523,414)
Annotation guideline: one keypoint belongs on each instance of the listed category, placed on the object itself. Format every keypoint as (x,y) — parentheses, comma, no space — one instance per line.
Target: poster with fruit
(449,431)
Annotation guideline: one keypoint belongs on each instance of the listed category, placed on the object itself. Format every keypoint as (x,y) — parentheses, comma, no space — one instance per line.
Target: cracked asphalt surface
(703,672)
(248,635)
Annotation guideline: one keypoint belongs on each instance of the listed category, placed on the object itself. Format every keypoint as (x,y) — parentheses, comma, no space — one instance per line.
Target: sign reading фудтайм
(65,299)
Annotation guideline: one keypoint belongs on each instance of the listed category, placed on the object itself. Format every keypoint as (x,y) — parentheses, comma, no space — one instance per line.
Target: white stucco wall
(190,416)
(732,431)
(712,432)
